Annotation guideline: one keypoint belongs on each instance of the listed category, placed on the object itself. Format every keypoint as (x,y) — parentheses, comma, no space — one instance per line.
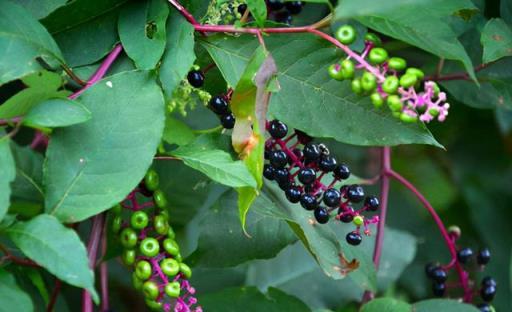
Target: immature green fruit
(346,34)
(356,86)
(378,55)
(173,289)
(433,112)
(151,180)
(143,270)
(178,258)
(185,269)
(394,103)
(416,72)
(161,225)
(408,118)
(149,247)
(137,282)
(150,290)
(117,209)
(436,89)
(335,73)
(408,80)
(117,223)
(139,220)
(128,238)
(376,99)
(358,220)
(159,198)
(397,63)
(170,267)
(368,82)
(390,85)
(171,247)
(170,233)
(373,38)
(128,257)
(153,305)
(347,69)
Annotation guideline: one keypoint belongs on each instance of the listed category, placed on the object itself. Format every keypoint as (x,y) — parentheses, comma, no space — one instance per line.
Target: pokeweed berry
(372,203)
(484,256)
(294,7)
(143,270)
(321,215)
(311,152)
(438,289)
(327,163)
(487,293)
(268,172)
(160,224)
(439,275)
(228,121)
(241,8)
(354,238)
(347,215)
(283,17)
(356,86)
(170,267)
(464,255)
(173,289)
(347,69)
(128,238)
(293,194)
(275,5)
(160,199)
(278,129)
(149,247)
(151,180)
(341,172)
(335,72)
(488,281)
(390,85)
(355,193)
(429,270)
(307,176)
(368,82)
(139,220)
(485,307)
(408,80)
(219,105)
(128,257)
(195,78)
(171,247)
(308,201)
(373,39)
(282,175)
(332,197)
(377,99)
(358,220)
(346,34)
(278,159)
(397,63)
(150,290)
(378,55)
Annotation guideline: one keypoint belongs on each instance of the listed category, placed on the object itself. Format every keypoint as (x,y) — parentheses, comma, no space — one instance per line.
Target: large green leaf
(206,155)
(13,298)
(177,132)
(56,113)
(22,40)
(8,173)
(55,247)
(41,8)
(386,305)
(443,305)
(258,10)
(331,108)
(354,8)
(142,31)
(94,165)
(497,40)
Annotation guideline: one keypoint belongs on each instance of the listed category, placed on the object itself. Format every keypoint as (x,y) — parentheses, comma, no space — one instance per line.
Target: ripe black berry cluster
(282,12)
(298,165)
(142,223)
(465,260)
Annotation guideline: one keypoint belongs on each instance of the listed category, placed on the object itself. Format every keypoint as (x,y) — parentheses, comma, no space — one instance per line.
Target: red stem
(105,305)
(92,250)
(55,294)
(384,193)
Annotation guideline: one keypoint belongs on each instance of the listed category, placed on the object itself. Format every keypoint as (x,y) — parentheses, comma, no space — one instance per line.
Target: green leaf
(206,155)
(142,31)
(249,299)
(222,242)
(506,11)
(54,113)
(40,86)
(55,247)
(92,166)
(13,298)
(22,43)
(443,305)
(258,9)
(179,53)
(177,132)
(307,90)
(8,173)
(496,40)
(386,305)
(86,30)
(41,8)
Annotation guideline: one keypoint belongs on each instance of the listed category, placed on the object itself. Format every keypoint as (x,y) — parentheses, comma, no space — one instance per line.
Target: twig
(456,76)
(105,305)
(166,158)
(92,250)
(55,294)
(72,75)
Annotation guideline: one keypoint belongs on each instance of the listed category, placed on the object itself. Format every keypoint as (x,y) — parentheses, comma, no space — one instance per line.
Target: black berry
(278,159)
(294,7)
(268,172)
(228,121)
(488,293)
(218,105)
(293,194)
(281,175)
(308,201)
(439,275)
(429,269)
(195,78)
(327,163)
(284,185)
(332,197)
(372,203)
(341,172)
(321,215)
(242,8)
(484,256)
(438,289)
(347,216)
(278,129)
(311,152)
(354,238)
(488,281)
(355,193)
(275,5)
(307,175)
(464,255)
(484,307)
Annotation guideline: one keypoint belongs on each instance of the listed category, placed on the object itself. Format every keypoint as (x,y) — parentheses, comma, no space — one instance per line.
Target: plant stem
(92,250)
(105,304)
(456,76)
(72,75)
(55,294)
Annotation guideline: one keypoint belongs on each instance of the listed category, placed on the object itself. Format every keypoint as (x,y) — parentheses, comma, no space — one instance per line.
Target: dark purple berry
(278,129)
(321,215)
(355,193)
(484,256)
(302,137)
(488,281)
(372,203)
(327,163)
(439,275)
(269,172)
(228,121)
(438,289)
(341,172)
(354,238)
(464,255)
(195,78)
(308,201)
(307,176)
(294,7)
(488,293)
(218,105)
(281,175)
(275,5)
(429,269)
(284,185)
(484,307)
(278,159)
(242,8)
(346,217)
(332,197)
(311,152)
(293,194)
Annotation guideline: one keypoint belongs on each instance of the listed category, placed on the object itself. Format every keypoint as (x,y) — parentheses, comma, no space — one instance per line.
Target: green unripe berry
(117,223)
(159,198)
(151,180)
(376,99)
(396,114)
(170,267)
(161,225)
(150,290)
(373,38)
(346,34)
(397,63)
(143,270)
(436,89)
(358,220)
(117,209)
(334,73)
(170,233)
(378,55)
(128,238)
(128,257)
(408,80)
(394,103)
(368,82)
(185,269)
(356,86)
(416,72)
(408,118)
(149,247)
(153,305)
(390,85)
(137,282)
(173,289)
(347,69)
(171,247)
(433,112)
(178,258)
(139,220)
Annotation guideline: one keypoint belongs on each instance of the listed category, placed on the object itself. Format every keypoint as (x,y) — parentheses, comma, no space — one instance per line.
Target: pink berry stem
(92,249)
(384,193)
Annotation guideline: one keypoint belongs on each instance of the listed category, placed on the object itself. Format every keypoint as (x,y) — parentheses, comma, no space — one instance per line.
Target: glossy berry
(429,269)
(143,270)
(293,194)
(170,267)
(378,55)
(335,72)
(332,197)
(416,72)
(439,275)
(281,175)
(488,293)
(373,38)
(171,247)
(347,215)
(439,289)
(195,78)
(278,129)
(149,247)
(275,5)
(327,163)
(294,7)
(284,17)
(228,121)
(408,80)
(284,185)
(390,85)
(151,180)
(173,289)
(484,256)
(355,193)
(397,63)
(321,215)
(488,281)
(346,34)
(311,152)
(278,159)
(485,307)
(308,201)
(160,224)
(160,199)
(394,103)
(356,86)
(185,270)
(242,8)
(307,176)
(347,69)
(218,105)
(150,290)
(368,82)
(128,238)
(372,203)
(117,223)
(358,220)
(268,172)
(354,238)
(341,172)
(128,257)
(464,255)
(139,220)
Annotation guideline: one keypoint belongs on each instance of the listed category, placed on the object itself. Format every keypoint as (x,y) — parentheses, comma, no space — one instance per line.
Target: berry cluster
(388,80)
(282,12)
(298,165)
(150,249)
(464,258)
